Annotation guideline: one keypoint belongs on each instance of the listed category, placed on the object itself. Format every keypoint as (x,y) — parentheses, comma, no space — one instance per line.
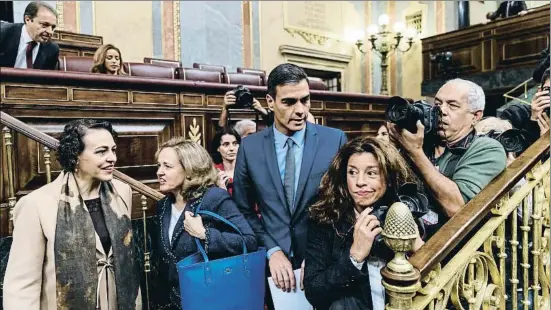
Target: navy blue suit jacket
(222,242)
(257,182)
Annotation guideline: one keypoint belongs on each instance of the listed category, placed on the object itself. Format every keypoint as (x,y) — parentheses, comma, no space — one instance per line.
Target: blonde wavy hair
(198,166)
(99,59)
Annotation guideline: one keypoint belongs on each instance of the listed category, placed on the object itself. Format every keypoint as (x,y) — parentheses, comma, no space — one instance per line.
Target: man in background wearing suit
(29,45)
(508,8)
(280,169)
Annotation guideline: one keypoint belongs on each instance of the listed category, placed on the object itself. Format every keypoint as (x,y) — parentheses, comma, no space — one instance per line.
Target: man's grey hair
(475,95)
(242,125)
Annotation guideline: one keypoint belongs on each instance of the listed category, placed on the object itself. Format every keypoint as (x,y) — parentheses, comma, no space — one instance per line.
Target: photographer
(230,101)
(463,163)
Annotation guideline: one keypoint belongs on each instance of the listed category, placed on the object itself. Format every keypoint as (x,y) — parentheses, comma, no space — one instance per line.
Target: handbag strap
(223,220)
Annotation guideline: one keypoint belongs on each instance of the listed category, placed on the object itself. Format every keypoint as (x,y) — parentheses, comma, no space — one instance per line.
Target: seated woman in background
(226,144)
(108,60)
(188,177)
(72,243)
(345,251)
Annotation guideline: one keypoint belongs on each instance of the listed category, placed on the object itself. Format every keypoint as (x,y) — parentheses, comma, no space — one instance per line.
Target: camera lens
(397,109)
(246,99)
(512,140)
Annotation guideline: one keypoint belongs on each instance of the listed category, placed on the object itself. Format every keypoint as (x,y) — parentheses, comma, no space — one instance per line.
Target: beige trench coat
(30,281)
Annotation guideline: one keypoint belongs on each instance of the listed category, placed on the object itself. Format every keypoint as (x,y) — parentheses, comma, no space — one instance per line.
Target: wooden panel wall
(507,43)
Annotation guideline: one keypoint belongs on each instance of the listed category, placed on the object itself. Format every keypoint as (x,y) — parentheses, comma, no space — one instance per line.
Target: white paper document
(294,300)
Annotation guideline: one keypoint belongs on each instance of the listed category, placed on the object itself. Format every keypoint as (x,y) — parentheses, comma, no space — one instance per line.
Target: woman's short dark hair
(217,158)
(334,202)
(71,143)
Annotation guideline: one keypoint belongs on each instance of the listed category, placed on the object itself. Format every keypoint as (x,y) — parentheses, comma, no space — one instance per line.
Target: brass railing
(496,250)
(524,94)
(51,144)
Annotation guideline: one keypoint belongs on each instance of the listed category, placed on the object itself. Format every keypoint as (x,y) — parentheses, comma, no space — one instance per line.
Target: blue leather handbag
(236,282)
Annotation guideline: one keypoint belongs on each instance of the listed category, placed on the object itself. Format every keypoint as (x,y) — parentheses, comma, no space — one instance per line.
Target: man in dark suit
(507,9)
(29,45)
(279,170)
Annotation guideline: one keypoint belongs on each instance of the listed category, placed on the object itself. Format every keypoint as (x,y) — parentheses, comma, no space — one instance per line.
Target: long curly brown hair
(335,202)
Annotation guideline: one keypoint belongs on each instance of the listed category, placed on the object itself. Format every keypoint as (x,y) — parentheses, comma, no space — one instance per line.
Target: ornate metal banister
(52,143)
(523,84)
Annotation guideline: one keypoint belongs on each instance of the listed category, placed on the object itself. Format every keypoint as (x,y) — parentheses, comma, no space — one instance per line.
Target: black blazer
(222,242)
(48,53)
(329,275)
(514,8)
(257,182)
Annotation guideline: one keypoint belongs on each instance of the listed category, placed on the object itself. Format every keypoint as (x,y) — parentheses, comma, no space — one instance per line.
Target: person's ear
(477,116)
(271,101)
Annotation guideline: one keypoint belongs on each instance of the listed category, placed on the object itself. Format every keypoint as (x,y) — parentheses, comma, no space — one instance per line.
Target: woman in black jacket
(188,177)
(345,251)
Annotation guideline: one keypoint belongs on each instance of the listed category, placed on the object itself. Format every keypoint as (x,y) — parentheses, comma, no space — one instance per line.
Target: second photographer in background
(108,60)
(241,98)
(507,9)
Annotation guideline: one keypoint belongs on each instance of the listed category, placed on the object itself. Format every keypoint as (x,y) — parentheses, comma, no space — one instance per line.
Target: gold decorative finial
(399,233)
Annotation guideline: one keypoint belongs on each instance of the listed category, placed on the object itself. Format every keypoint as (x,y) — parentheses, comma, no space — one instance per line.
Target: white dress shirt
(21,60)
(174,217)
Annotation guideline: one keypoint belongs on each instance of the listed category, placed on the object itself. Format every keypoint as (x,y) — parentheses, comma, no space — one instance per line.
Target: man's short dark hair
(545,77)
(285,74)
(32,9)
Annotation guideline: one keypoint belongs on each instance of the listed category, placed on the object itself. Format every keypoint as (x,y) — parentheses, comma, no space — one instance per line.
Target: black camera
(513,140)
(405,115)
(243,98)
(417,203)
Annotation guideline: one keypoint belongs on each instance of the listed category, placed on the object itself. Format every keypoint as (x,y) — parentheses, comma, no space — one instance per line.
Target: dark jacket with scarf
(221,241)
(329,274)
(47,57)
